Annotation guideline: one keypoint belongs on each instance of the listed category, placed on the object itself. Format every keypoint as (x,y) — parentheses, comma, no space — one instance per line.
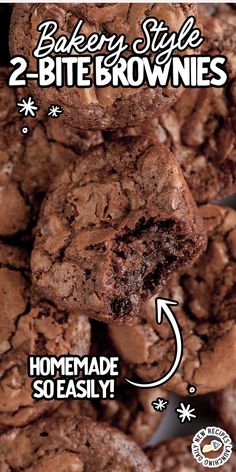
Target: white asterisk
(160,404)
(185,413)
(27,106)
(54,111)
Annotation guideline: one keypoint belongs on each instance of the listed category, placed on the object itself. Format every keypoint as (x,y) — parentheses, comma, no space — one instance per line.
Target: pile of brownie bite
(101,210)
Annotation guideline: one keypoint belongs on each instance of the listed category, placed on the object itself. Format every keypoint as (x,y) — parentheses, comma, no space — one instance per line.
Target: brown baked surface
(63,444)
(225,404)
(206,315)
(29,325)
(200,129)
(131,410)
(99,108)
(28,163)
(219,11)
(113,227)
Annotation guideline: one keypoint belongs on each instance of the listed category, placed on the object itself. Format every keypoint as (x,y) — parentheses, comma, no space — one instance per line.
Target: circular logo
(212,447)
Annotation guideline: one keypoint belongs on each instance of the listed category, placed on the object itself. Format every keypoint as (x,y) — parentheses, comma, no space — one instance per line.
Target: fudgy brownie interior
(206,315)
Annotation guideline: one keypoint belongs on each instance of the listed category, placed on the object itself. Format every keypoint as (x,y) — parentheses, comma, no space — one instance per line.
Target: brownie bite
(206,315)
(29,326)
(200,129)
(113,227)
(29,162)
(66,444)
(94,107)
(208,156)
(219,11)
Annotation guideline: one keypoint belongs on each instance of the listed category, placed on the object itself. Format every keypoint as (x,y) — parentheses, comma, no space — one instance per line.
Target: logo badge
(212,447)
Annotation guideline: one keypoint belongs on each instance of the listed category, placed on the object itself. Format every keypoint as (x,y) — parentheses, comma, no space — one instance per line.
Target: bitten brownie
(107,107)
(29,325)
(206,315)
(225,404)
(28,162)
(200,129)
(175,455)
(66,444)
(115,224)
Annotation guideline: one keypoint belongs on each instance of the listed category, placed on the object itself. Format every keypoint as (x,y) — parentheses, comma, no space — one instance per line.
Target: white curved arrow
(162,309)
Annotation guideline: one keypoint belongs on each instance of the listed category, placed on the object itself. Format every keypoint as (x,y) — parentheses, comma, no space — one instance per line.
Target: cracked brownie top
(29,162)
(200,129)
(77,444)
(29,325)
(113,227)
(107,107)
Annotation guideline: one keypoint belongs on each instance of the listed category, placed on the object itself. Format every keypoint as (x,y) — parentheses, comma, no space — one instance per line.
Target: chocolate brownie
(28,162)
(225,403)
(206,314)
(107,107)
(29,325)
(113,227)
(131,413)
(175,455)
(200,129)
(220,35)
(220,11)
(70,444)
(208,156)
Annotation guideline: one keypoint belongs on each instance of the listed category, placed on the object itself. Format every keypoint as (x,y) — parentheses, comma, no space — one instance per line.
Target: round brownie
(107,107)
(206,315)
(225,404)
(200,129)
(70,444)
(29,326)
(176,455)
(28,162)
(113,227)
